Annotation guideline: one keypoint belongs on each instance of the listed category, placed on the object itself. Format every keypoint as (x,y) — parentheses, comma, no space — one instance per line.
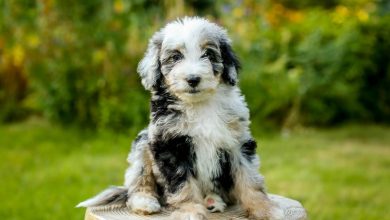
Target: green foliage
(81,62)
(374,93)
(314,66)
(310,63)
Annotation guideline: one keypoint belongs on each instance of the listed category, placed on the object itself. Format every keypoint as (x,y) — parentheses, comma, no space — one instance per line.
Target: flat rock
(293,210)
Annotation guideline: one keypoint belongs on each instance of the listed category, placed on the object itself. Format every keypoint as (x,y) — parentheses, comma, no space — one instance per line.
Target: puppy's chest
(213,129)
(213,136)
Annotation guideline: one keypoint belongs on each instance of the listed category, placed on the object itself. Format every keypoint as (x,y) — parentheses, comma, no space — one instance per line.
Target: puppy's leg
(143,197)
(188,202)
(142,193)
(143,203)
(251,195)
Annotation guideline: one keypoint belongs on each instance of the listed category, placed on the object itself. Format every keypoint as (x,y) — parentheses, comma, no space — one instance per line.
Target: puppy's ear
(149,66)
(231,64)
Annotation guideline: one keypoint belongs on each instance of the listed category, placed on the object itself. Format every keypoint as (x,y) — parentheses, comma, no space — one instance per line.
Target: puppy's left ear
(231,64)
(149,66)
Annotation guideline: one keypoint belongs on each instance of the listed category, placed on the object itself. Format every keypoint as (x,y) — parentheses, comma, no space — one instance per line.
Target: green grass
(342,173)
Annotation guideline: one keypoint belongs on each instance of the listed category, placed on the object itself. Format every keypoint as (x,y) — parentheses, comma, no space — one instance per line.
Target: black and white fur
(197,151)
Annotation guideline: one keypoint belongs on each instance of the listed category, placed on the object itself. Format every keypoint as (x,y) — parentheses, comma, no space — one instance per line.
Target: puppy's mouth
(194,91)
(193,95)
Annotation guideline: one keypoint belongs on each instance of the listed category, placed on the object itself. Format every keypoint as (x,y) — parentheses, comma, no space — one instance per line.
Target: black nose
(193,81)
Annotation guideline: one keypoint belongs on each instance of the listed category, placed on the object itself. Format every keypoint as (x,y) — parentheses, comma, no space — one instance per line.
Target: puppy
(197,152)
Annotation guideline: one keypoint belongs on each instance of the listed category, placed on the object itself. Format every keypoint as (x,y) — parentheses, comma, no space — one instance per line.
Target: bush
(311,66)
(305,63)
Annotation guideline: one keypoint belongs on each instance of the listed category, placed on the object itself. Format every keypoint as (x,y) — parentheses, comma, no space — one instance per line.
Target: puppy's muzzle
(193,81)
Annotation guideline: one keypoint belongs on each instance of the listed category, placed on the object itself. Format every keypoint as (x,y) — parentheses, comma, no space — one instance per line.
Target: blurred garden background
(316,76)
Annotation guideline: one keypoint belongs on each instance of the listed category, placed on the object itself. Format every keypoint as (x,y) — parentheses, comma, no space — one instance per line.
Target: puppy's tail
(111,196)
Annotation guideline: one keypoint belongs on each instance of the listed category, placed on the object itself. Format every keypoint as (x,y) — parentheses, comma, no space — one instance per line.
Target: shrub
(303,62)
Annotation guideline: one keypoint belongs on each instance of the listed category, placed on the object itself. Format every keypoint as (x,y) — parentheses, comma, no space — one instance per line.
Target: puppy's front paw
(214,203)
(143,203)
(190,212)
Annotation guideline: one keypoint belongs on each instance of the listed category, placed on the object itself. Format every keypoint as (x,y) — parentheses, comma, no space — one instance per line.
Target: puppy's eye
(176,56)
(208,54)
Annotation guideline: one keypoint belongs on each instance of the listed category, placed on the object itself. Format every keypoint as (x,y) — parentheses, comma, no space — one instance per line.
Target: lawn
(340,173)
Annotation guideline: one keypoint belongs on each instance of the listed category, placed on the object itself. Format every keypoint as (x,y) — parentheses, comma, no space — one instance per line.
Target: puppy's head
(191,57)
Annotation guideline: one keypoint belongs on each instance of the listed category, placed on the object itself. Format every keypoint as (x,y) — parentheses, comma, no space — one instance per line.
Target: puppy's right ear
(231,64)
(149,66)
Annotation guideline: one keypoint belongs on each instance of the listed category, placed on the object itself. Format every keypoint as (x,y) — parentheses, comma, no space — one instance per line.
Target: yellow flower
(238,12)
(119,6)
(18,55)
(342,11)
(340,14)
(98,56)
(362,15)
(294,16)
(33,40)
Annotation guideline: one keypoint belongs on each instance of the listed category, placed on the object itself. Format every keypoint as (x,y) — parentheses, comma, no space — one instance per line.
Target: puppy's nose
(193,81)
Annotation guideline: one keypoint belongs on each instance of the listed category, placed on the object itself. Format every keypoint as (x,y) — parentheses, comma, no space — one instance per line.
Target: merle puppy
(197,151)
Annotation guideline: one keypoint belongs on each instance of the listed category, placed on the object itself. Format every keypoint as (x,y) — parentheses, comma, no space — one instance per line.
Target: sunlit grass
(341,173)
(336,174)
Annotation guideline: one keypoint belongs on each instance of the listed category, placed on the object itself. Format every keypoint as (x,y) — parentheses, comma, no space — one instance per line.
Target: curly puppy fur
(197,152)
